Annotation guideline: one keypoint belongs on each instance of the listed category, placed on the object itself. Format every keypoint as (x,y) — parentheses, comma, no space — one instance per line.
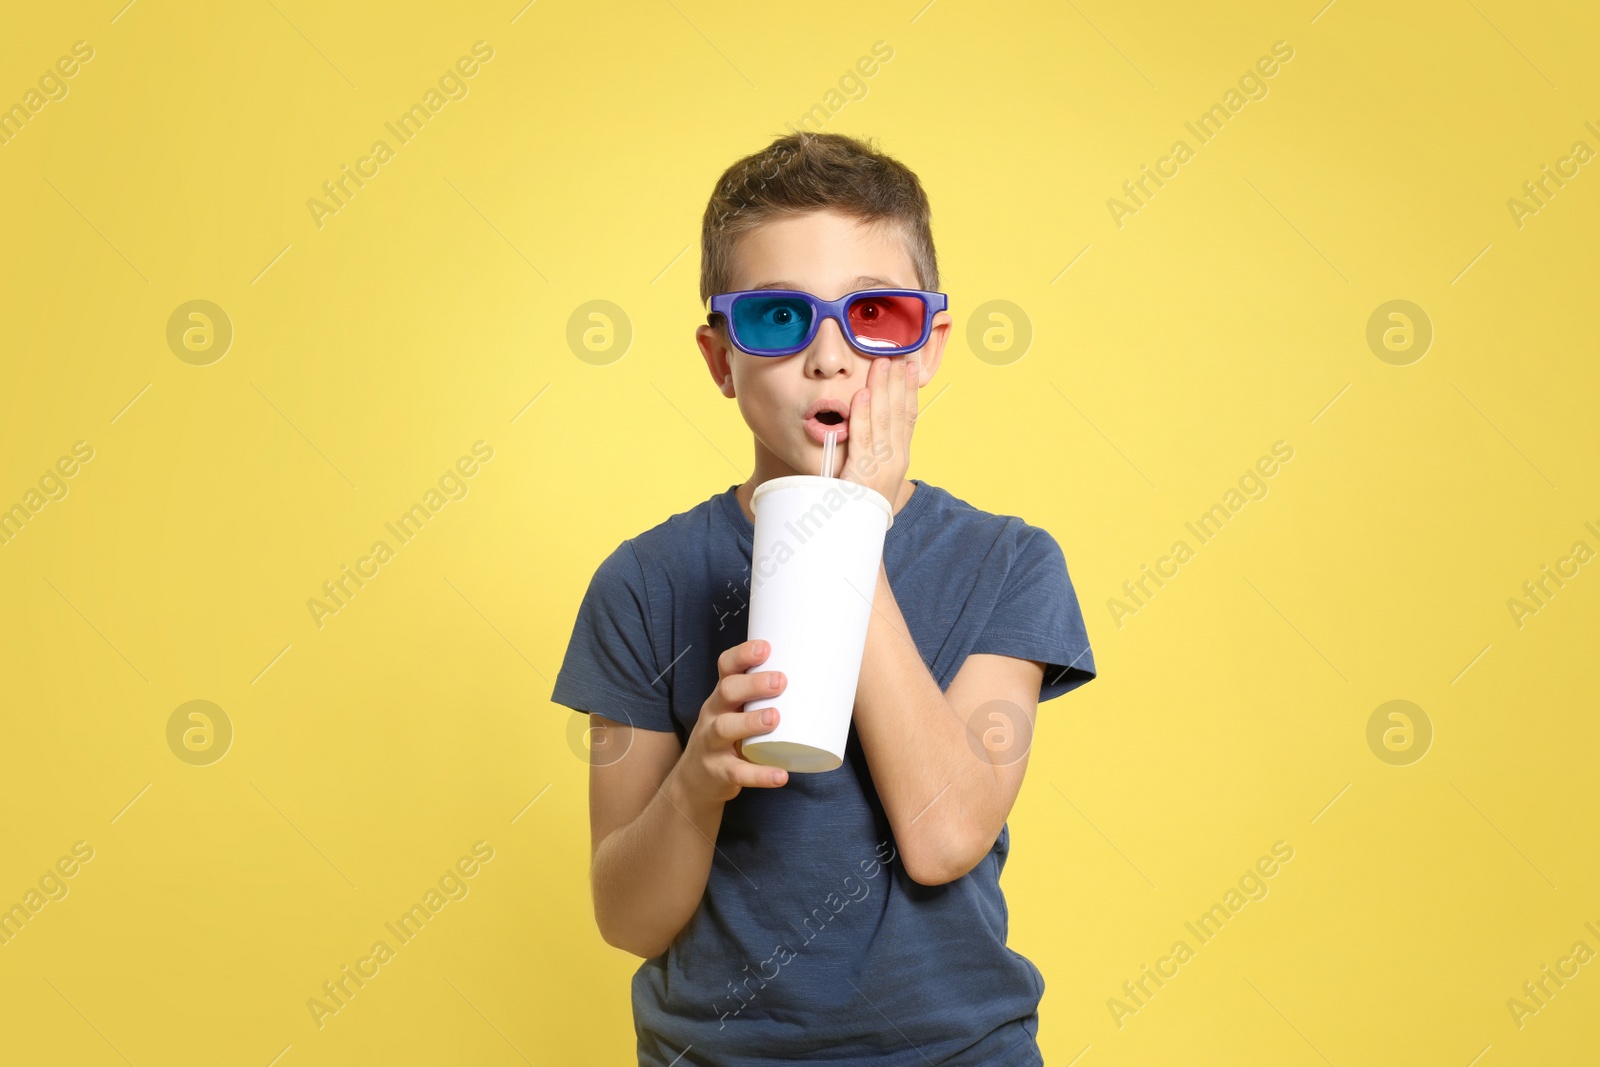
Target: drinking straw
(827,452)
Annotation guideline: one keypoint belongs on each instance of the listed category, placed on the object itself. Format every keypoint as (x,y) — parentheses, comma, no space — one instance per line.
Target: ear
(717,357)
(932,352)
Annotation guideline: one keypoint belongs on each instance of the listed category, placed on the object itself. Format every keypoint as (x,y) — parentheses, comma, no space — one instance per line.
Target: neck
(769,466)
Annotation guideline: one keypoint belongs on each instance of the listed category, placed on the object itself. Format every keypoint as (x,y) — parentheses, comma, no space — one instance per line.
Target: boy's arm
(650,840)
(655,805)
(946,800)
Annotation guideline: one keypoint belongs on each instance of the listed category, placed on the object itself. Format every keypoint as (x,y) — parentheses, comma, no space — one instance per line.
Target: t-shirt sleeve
(610,666)
(1037,617)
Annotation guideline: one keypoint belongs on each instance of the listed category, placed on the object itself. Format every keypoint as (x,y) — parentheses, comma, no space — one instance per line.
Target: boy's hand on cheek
(878,451)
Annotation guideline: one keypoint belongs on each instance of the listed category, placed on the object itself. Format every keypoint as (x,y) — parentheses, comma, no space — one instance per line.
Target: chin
(808,458)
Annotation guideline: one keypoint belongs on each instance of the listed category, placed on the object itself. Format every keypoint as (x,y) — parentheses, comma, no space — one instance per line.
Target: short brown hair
(807,172)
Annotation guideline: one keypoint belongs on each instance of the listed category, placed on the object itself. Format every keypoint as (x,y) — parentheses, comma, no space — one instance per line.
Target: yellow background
(1229,313)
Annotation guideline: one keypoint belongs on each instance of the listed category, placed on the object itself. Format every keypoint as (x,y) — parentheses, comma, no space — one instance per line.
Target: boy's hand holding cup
(714,767)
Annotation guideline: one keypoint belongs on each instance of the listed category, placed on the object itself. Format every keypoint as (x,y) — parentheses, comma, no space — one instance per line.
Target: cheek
(769,411)
(753,408)
(762,407)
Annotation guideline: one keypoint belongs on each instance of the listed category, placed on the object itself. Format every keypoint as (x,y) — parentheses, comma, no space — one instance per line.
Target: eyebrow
(865,279)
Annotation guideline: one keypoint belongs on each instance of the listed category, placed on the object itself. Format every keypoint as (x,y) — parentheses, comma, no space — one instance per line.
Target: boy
(853,916)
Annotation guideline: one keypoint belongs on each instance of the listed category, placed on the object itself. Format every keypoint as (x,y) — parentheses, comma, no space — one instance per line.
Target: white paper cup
(813,572)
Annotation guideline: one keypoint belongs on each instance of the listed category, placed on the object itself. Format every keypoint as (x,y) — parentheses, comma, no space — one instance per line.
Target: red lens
(881,320)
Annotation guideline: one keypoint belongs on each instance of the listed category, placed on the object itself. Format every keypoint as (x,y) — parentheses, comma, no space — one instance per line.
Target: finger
(895,395)
(880,399)
(742,656)
(913,383)
(738,726)
(859,441)
(755,775)
(737,690)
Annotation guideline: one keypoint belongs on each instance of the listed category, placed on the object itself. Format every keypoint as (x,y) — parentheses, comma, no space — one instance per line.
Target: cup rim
(796,481)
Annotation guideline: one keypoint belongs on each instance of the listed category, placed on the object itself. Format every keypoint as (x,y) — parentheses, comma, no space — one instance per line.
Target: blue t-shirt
(811,942)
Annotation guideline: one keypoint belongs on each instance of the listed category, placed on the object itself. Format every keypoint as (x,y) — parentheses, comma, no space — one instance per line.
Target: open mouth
(827,416)
(818,430)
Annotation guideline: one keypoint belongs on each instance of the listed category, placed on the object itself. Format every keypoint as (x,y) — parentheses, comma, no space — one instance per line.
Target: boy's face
(828,255)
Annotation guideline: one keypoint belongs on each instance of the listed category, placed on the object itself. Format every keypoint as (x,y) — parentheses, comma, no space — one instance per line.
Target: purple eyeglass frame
(933,303)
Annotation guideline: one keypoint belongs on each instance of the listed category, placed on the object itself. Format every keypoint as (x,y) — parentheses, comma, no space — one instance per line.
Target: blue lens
(767,322)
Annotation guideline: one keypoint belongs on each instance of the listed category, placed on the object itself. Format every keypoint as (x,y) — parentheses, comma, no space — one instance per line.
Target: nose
(830,354)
